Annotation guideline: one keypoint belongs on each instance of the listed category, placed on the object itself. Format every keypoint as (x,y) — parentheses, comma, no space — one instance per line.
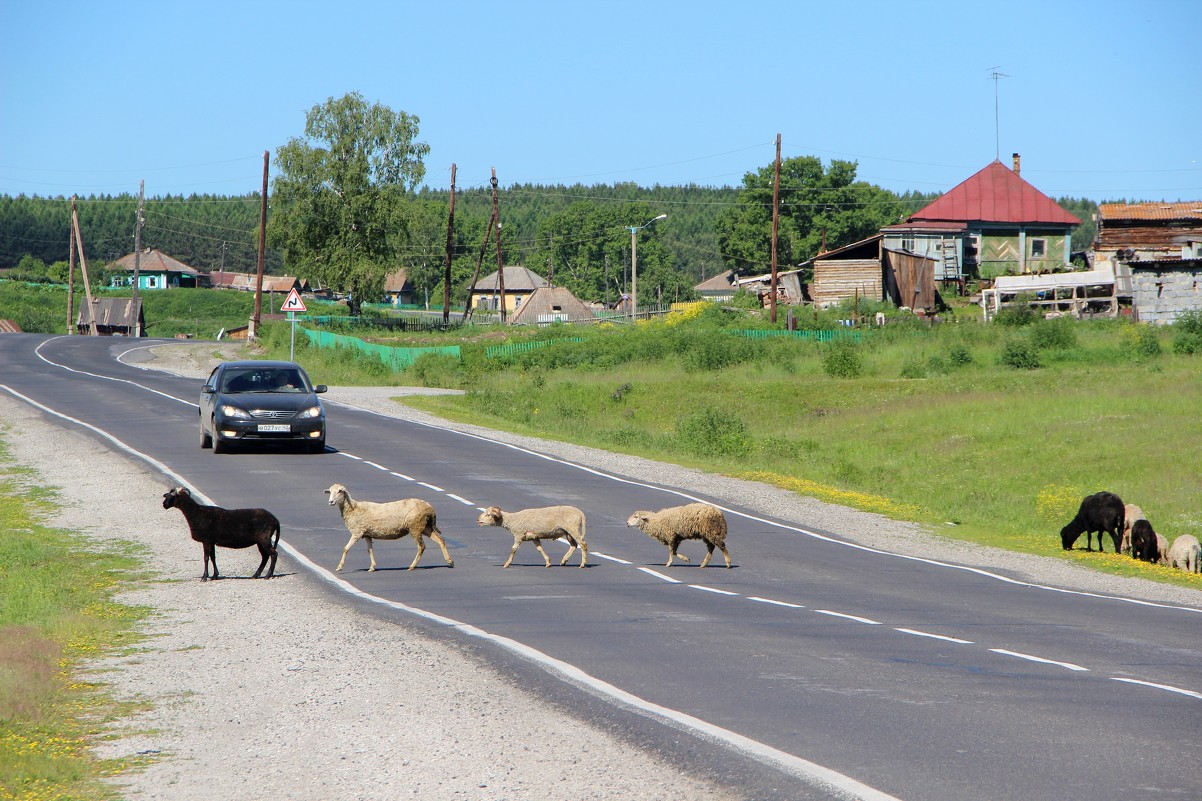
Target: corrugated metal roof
(547,300)
(995,195)
(517,279)
(1151,211)
(154,261)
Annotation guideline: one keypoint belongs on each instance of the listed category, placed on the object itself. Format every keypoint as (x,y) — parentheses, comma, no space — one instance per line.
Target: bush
(1020,355)
(708,432)
(1054,334)
(1187,338)
(914,369)
(842,360)
(1147,343)
(959,355)
(1015,316)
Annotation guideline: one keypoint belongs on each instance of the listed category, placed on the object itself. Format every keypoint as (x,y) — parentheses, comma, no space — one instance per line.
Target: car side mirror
(207,389)
(320,388)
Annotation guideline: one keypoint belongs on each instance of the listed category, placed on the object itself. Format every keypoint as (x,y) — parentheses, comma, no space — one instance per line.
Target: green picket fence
(503,351)
(813,336)
(396,358)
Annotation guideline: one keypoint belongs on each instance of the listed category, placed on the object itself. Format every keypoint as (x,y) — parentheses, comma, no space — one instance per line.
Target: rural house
(156,270)
(398,289)
(114,317)
(994,223)
(719,289)
(520,284)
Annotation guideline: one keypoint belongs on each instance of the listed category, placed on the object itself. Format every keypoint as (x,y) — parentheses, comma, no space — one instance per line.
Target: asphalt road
(823,663)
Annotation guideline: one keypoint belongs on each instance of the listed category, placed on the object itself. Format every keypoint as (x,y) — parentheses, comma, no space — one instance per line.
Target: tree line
(346,210)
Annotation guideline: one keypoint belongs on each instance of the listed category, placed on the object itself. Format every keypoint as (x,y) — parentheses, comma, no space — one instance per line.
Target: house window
(907,243)
(1039,248)
(517,301)
(151,282)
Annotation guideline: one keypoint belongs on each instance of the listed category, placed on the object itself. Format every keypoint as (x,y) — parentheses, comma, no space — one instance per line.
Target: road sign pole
(292,342)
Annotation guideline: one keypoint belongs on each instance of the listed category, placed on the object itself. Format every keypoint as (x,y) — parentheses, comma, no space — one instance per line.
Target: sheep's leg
(371,553)
(1115,539)
(421,549)
(436,535)
(583,553)
(210,556)
(571,549)
(354,538)
(512,551)
(538,544)
(672,546)
(725,554)
(265,552)
(709,554)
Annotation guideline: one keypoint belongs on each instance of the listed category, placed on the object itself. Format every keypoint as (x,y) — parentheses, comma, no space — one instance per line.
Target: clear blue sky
(1103,99)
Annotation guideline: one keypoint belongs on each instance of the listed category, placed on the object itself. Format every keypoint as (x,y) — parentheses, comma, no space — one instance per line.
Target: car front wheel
(206,441)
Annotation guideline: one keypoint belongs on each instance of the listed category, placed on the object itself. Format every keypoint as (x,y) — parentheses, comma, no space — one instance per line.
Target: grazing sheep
(1131,513)
(230,528)
(1100,512)
(387,521)
(1186,554)
(1146,543)
(694,521)
(544,523)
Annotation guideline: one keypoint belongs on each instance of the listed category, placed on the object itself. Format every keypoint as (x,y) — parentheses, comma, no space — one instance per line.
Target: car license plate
(273,428)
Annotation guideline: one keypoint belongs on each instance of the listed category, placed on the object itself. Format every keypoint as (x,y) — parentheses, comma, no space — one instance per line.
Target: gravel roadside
(305,697)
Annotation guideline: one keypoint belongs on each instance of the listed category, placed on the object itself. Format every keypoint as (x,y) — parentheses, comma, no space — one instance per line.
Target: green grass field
(56,610)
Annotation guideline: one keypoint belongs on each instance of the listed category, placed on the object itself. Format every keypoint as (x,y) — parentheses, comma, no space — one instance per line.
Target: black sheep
(1100,512)
(230,528)
(1143,542)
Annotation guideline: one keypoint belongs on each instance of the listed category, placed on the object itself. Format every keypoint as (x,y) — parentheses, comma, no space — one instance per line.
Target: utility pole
(254,321)
(446,279)
(71,285)
(83,264)
(496,216)
(775,228)
(467,308)
(133,306)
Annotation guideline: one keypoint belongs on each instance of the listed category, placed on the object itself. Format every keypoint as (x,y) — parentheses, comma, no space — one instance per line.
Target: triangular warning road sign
(293,302)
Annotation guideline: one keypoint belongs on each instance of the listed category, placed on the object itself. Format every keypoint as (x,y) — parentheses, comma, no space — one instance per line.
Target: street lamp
(634,264)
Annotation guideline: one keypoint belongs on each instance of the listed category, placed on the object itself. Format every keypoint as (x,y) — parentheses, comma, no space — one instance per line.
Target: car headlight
(228,410)
(312,411)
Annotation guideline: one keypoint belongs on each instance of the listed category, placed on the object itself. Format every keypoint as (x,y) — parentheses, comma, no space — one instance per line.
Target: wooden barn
(852,271)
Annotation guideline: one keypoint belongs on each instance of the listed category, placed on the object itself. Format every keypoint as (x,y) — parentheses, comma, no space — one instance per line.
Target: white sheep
(694,521)
(1131,513)
(1186,553)
(387,521)
(535,525)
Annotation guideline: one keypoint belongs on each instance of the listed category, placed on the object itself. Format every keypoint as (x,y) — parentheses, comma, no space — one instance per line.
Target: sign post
(293,304)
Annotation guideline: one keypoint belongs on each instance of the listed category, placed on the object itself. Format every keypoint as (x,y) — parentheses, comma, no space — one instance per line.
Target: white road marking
(935,636)
(463,501)
(1029,657)
(659,575)
(400,475)
(774,603)
(1167,687)
(431,486)
(849,617)
(377,466)
(610,558)
(714,590)
(351,456)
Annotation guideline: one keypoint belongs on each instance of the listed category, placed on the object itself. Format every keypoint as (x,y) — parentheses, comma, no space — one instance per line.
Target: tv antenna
(995,76)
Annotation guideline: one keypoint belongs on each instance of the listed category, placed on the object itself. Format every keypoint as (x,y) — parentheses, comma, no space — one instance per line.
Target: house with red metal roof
(994,223)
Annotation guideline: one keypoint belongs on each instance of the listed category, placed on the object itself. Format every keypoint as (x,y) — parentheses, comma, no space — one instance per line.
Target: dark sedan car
(253,401)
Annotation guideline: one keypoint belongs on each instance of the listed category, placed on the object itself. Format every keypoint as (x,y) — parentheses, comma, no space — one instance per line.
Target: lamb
(543,523)
(1100,512)
(387,521)
(1186,554)
(1131,513)
(230,528)
(694,521)
(1146,544)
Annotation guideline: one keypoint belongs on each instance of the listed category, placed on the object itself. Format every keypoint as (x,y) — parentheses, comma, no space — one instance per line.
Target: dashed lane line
(1032,658)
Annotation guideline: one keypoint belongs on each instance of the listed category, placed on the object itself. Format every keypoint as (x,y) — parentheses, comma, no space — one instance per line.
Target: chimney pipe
(1017,162)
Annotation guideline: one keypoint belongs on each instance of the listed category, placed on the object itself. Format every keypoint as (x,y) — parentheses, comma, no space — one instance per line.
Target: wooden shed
(114,317)
(910,280)
(850,271)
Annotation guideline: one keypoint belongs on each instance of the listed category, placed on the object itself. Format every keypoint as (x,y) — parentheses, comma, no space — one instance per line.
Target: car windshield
(283,379)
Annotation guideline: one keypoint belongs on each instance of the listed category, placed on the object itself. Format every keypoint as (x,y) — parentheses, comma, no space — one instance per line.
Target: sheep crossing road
(814,656)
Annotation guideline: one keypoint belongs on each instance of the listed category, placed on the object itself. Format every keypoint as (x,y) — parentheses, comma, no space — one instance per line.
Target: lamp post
(634,265)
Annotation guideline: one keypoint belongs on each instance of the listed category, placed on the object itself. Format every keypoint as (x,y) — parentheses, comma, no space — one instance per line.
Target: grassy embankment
(989,433)
(56,610)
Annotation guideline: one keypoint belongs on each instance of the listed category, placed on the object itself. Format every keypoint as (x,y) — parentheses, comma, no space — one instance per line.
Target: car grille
(266,414)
